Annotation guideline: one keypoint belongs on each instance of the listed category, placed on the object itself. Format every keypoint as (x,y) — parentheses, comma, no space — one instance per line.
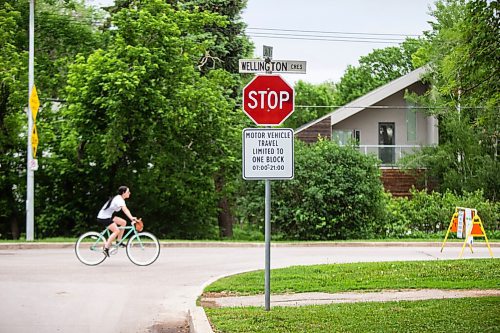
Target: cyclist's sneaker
(106,252)
(120,245)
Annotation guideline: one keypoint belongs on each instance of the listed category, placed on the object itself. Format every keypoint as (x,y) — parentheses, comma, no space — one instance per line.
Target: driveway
(49,290)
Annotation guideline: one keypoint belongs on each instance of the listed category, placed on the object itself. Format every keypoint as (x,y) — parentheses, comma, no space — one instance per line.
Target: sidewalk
(345,297)
(199,322)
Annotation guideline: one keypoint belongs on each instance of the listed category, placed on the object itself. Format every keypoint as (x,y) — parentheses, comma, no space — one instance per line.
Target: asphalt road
(49,290)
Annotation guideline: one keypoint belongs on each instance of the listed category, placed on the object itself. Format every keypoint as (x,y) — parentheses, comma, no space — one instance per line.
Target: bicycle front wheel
(143,249)
(88,248)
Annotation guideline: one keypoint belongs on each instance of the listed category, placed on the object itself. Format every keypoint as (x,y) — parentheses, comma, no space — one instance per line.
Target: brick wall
(399,183)
(310,134)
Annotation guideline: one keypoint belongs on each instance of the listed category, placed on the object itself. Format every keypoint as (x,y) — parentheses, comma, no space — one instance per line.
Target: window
(345,137)
(357,137)
(386,137)
(411,124)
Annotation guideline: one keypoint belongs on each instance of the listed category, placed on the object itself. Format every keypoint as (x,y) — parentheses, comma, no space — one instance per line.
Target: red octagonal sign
(268,100)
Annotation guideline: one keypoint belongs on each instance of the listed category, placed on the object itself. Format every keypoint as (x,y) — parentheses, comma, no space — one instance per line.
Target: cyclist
(107,216)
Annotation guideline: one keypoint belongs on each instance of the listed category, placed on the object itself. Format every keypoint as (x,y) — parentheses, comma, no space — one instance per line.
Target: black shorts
(105,222)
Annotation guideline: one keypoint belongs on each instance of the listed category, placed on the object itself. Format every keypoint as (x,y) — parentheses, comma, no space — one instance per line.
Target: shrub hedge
(425,214)
(337,194)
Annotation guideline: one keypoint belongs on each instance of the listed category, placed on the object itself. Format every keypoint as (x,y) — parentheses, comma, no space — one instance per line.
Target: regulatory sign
(275,66)
(268,153)
(268,100)
(33,165)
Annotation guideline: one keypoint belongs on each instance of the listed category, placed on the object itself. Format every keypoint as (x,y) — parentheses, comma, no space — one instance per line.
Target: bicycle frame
(106,233)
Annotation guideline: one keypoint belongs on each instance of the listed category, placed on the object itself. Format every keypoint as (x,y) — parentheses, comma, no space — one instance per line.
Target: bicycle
(143,248)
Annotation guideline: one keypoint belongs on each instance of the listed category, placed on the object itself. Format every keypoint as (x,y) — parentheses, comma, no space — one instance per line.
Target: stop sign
(268,100)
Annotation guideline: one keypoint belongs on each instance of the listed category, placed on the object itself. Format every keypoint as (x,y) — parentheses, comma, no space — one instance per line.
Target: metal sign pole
(268,54)
(267,236)
(30,192)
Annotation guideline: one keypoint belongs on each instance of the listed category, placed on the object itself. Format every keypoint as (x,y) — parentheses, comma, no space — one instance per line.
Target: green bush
(336,194)
(247,232)
(429,214)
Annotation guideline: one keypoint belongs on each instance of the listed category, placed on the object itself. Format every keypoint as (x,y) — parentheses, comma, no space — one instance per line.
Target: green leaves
(148,116)
(462,52)
(307,94)
(429,214)
(336,194)
(375,69)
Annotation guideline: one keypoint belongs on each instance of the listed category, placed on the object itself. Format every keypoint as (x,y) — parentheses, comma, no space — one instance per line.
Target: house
(381,122)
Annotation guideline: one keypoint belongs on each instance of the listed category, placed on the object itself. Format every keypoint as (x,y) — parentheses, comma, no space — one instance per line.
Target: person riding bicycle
(107,216)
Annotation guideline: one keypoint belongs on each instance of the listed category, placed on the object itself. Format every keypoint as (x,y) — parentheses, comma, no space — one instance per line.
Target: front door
(386,136)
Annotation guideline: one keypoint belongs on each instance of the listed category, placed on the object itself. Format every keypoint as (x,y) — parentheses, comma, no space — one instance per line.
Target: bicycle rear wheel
(88,248)
(143,249)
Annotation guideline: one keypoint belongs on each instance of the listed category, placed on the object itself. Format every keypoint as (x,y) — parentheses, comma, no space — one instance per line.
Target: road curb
(198,321)
(198,317)
(43,245)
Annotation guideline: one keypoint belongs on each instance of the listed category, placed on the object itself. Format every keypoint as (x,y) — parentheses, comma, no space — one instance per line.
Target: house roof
(370,98)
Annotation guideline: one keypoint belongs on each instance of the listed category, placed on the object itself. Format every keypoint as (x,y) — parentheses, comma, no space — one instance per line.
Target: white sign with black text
(274,66)
(268,153)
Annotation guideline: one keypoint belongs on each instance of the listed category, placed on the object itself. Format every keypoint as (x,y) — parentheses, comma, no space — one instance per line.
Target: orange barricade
(458,224)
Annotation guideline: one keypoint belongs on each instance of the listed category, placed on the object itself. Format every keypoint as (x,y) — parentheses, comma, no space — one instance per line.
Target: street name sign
(268,153)
(275,66)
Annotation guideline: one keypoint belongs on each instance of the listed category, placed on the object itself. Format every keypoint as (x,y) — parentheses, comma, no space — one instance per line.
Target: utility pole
(30,196)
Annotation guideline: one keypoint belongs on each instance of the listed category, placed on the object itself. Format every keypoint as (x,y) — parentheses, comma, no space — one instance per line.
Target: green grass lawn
(441,274)
(446,315)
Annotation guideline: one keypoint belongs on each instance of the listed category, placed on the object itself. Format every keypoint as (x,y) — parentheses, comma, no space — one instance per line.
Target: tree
(64,31)
(376,69)
(13,67)
(58,38)
(230,45)
(141,113)
(307,99)
(463,57)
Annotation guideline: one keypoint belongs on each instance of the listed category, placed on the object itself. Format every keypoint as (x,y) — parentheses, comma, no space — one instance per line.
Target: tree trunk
(225,219)
(14,227)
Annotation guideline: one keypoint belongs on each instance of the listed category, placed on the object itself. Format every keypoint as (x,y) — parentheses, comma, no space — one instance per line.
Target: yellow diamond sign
(34,140)
(34,103)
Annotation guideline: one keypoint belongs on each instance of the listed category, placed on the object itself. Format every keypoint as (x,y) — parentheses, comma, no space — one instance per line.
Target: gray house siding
(362,117)
(366,112)
(367,121)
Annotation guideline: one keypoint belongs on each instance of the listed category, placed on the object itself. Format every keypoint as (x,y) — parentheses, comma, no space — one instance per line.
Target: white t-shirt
(116,204)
